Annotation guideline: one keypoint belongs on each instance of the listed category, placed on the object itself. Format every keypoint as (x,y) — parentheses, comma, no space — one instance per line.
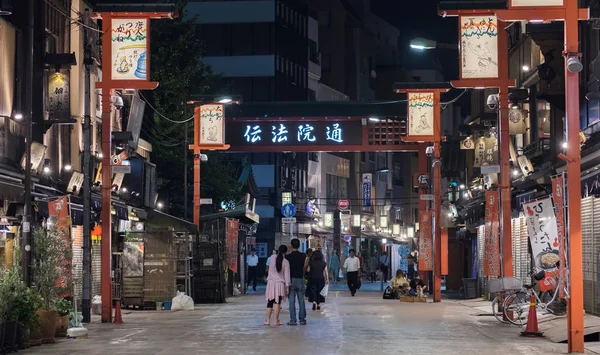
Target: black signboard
(299,133)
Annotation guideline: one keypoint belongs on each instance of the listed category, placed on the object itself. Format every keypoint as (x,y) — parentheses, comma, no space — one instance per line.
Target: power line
(160,114)
(70,18)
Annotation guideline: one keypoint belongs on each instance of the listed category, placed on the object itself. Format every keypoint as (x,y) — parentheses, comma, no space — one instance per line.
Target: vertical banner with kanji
(543,235)
(233,226)
(59,210)
(558,184)
(491,250)
(425,241)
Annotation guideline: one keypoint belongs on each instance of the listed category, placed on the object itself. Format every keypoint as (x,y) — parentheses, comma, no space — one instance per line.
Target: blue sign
(367,186)
(347,238)
(288,210)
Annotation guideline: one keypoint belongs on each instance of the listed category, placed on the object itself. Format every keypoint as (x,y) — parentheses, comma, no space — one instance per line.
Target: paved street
(365,324)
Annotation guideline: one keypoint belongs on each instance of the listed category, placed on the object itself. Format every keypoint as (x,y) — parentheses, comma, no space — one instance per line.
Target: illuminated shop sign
(294,133)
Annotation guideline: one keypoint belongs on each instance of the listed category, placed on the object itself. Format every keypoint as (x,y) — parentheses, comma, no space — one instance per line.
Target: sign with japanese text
(534,3)
(420,116)
(543,234)
(309,133)
(491,245)
(467,144)
(558,196)
(420,180)
(516,121)
(366,187)
(58,210)
(478,47)
(233,226)
(486,151)
(425,241)
(58,104)
(212,125)
(129,48)
(38,151)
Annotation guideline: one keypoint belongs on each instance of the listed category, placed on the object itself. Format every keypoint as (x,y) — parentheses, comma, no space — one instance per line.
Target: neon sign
(294,133)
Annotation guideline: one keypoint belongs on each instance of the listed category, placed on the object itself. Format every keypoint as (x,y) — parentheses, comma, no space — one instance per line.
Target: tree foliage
(176,52)
(219,179)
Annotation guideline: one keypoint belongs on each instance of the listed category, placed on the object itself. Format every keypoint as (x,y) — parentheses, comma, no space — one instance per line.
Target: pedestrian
(278,285)
(252,262)
(297,287)
(319,277)
(309,253)
(334,266)
(384,263)
(373,263)
(352,266)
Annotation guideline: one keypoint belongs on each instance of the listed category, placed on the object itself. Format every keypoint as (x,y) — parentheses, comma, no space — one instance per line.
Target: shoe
(319,307)
(303,323)
(353,295)
(292,323)
(314,306)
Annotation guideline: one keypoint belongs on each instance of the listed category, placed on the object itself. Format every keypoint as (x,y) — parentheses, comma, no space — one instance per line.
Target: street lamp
(422,44)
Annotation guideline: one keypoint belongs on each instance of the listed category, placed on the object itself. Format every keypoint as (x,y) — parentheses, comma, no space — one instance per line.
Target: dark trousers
(373,276)
(384,271)
(352,281)
(252,276)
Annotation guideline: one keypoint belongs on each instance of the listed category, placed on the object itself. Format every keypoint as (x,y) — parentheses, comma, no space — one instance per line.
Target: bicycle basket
(502,284)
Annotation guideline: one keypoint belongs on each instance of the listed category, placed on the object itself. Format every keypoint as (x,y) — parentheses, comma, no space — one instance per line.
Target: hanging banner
(516,121)
(536,3)
(129,48)
(486,151)
(543,235)
(367,186)
(212,125)
(420,116)
(59,210)
(558,185)
(58,105)
(233,227)
(425,241)
(491,246)
(478,47)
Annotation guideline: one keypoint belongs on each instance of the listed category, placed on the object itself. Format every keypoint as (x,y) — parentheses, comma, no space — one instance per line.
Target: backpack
(388,294)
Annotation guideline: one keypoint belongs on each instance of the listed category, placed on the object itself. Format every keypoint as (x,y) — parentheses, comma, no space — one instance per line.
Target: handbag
(388,294)
(358,284)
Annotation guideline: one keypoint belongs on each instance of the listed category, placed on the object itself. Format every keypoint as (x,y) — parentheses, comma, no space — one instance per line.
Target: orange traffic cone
(532,323)
(118,318)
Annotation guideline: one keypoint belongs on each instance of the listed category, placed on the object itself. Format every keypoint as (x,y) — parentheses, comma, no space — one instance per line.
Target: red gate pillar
(422,165)
(437,199)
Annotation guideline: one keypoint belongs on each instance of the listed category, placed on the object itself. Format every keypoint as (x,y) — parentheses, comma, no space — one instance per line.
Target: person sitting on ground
(399,283)
(417,285)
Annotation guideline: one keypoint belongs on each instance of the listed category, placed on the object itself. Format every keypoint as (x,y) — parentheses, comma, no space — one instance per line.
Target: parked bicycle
(503,287)
(516,306)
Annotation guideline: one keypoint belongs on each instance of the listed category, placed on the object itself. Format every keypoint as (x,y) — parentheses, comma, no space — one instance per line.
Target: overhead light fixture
(46,168)
(515,172)
(462,186)
(68,167)
(374,119)
(450,214)
(124,189)
(18,116)
(479,87)
(536,21)
(383,241)
(565,145)
(225,100)
(5,8)
(515,107)
(526,68)
(159,205)
(100,155)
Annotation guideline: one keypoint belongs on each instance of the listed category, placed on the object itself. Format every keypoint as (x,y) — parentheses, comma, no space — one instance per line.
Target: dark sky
(418,18)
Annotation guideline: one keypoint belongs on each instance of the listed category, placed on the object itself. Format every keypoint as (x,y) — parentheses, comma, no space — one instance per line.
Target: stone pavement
(365,324)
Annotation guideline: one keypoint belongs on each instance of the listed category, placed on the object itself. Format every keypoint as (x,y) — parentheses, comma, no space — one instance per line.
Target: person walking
(334,266)
(352,266)
(373,264)
(278,285)
(319,277)
(309,253)
(384,263)
(297,287)
(252,262)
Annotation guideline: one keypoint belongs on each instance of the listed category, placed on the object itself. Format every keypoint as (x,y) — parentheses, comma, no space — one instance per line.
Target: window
(313,52)
(286,197)
(326,62)
(325,18)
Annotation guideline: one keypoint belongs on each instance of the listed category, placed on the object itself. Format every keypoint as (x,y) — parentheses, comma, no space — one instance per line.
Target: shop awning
(11,191)
(242,213)
(162,220)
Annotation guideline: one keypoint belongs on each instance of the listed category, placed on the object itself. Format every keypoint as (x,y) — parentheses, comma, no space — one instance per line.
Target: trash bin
(167,305)
(470,288)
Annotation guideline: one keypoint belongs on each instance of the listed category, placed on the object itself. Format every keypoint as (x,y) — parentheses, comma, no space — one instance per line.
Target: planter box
(412,299)
(9,342)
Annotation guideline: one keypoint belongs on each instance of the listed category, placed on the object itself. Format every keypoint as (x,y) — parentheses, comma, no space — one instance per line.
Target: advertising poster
(212,125)
(233,226)
(367,186)
(129,49)
(420,115)
(491,251)
(133,259)
(478,47)
(543,235)
(425,241)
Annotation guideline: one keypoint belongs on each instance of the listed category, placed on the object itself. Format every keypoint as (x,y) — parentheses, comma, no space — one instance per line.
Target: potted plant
(28,323)
(63,308)
(51,270)
(11,290)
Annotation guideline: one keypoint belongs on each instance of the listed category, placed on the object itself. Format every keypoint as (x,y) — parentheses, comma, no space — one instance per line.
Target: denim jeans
(297,292)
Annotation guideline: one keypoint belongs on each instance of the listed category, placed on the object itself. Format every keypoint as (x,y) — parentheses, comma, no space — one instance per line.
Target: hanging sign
(367,186)
(212,125)
(420,180)
(129,48)
(58,105)
(425,241)
(491,251)
(233,226)
(543,235)
(535,3)
(467,144)
(420,116)
(37,156)
(486,151)
(558,185)
(478,47)
(516,121)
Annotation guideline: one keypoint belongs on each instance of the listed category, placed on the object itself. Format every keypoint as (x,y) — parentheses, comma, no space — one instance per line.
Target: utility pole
(87,196)
(26,248)
(185,174)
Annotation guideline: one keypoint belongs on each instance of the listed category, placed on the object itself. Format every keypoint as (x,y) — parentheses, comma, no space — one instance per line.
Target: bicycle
(503,287)
(516,306)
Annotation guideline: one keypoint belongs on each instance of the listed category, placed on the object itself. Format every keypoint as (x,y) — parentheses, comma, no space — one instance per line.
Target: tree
(219,179)
(176,52)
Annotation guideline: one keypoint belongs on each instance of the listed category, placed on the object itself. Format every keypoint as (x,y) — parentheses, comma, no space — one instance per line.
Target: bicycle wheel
(516,308)
(496,310)
(558,307)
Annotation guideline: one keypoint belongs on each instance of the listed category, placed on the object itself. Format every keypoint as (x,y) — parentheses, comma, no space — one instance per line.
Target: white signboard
(121,169)
(129,49)
(543,232)
(427,197)
(478,47)
(206,201)
(288,220)
(533,3)
(490,169)
(212,125)
(420,114)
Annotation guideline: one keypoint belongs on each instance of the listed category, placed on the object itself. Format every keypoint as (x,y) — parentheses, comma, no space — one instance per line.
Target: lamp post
(421,44)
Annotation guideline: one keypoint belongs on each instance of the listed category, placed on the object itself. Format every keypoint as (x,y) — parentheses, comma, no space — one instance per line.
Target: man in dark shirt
(296,260)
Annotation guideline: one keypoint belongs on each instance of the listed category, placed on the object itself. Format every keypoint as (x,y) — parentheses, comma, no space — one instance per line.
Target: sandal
(267,323)
(277,324)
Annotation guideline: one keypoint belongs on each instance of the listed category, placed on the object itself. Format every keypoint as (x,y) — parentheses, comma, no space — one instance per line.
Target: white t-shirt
(352,264)
(252,260)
